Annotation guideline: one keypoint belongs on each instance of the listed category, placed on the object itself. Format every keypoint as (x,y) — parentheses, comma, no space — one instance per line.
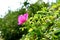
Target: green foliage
(10,29)
(43,23)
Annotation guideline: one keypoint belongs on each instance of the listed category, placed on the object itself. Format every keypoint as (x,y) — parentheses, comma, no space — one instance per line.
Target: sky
(13,5)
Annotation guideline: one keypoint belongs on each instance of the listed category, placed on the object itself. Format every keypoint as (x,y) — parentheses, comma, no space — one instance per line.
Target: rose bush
(43,23)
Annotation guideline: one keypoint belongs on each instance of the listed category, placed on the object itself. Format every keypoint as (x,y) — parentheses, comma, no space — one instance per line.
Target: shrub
(43,23)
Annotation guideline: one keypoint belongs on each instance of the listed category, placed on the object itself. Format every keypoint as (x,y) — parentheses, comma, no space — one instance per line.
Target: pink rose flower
(22,18)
